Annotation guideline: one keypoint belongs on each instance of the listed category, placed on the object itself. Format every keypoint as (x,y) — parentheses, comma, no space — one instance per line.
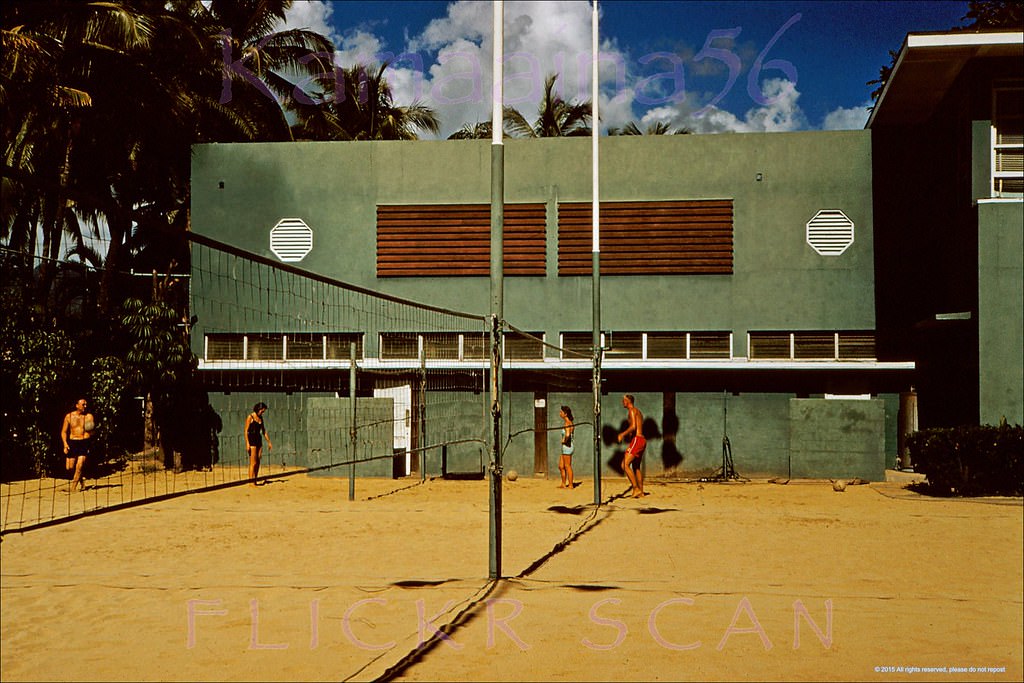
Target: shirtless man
(75,433)
(636,447)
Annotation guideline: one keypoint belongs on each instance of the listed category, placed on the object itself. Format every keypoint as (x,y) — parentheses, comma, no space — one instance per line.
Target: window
(710,345)
(304,346)
(666,345)
(337,346)
(264,347)
(578,345)
(1008,140)
(625,345)
(527,346)
(808,345)
(476,346)
(399,345)
(857,345)
(441,345)
(776,345)
(225,347)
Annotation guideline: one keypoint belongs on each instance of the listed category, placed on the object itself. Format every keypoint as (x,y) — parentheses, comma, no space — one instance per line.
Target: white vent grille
(830,232)
(291,240)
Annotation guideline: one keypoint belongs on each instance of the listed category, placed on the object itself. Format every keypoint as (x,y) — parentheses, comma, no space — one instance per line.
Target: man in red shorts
(636,447)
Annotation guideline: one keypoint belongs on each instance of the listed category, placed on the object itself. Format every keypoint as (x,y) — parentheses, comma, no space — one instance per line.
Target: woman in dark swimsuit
(565,459)
(255,432)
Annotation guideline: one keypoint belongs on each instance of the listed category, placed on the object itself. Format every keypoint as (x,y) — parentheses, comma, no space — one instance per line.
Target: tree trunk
(119,227)
(154,457)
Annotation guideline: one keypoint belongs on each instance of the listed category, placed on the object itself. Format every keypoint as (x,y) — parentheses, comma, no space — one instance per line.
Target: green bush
(39,382)
(970,460)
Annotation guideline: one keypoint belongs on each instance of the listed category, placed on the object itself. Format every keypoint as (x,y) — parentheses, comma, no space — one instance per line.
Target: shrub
(970,460)
(39,371)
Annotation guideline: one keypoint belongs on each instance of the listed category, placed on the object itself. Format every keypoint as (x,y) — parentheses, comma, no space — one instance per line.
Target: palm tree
(102,101)
(481,130)
(51,55)
(258,63)
(654,128)
(364,109)
(555,116)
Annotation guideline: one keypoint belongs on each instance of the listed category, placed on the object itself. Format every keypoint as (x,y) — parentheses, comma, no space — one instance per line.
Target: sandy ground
(713,581)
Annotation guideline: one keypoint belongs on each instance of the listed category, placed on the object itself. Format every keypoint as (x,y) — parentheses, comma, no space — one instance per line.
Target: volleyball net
(357,383)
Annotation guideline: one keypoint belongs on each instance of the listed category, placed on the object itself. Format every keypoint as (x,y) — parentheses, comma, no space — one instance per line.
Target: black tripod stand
(727,472)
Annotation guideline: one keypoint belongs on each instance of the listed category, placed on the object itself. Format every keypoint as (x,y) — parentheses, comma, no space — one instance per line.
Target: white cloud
(780,112)
(357,47)
(448,67)
(617,111)
(313,15)
(540,38)
(454,73)
(852,118)
(469,20)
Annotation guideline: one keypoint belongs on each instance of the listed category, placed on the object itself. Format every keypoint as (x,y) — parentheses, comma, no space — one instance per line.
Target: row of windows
(298,346)
(469,346)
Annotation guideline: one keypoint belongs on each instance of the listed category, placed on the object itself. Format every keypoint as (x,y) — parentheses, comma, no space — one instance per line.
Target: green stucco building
(793,291)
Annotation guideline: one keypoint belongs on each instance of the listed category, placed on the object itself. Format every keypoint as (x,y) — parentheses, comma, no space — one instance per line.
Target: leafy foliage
(970,460)
(100,104)
(39,370)
(358,104)
(118,427)
(985,14)
(654,128)
(158,355)
(160,365)
(556,117)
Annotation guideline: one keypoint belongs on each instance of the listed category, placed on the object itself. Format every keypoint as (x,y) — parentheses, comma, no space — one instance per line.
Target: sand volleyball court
(731,581)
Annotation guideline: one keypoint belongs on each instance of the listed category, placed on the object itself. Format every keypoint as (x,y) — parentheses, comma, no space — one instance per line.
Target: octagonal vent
(830,232)
(291,239)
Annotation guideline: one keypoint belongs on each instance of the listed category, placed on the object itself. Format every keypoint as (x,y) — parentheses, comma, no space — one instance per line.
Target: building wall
(335,188)
(777,183)
(1001,311)
(769,435)
(843,438)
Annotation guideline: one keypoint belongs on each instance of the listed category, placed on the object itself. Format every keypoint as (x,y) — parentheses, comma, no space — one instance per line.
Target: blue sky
(686,63)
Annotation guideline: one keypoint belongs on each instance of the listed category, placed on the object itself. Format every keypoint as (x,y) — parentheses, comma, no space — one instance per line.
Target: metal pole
(352,428)
(497,289)
(596,259)
(422,417)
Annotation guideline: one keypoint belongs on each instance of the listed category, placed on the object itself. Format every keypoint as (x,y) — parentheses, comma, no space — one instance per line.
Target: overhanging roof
(926,67)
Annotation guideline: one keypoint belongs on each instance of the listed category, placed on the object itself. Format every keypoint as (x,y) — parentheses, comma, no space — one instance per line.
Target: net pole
(497,288)
(352,428)
(422,415)
(596,257)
